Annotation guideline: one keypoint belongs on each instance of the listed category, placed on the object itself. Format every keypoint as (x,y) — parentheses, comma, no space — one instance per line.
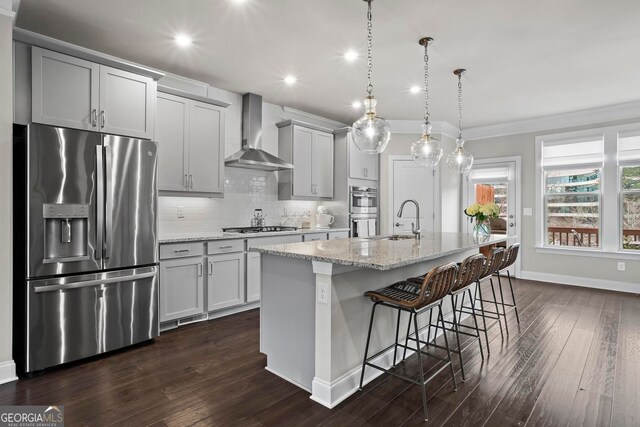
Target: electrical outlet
(527,211)
(622,266)
(323,293)
(180,212)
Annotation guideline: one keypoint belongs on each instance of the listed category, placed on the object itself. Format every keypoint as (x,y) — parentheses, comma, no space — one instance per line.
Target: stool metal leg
(475,321)
(446,344)
(513,297)
(454,303)
(484,319)
(495,301)
(406,340)
(429,328)
(504,310)
(395,347)
(419,351)
(366,348)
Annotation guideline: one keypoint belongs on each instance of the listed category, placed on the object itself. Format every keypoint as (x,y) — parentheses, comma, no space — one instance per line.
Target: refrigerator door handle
(109,203)
(100,201)
(96,282)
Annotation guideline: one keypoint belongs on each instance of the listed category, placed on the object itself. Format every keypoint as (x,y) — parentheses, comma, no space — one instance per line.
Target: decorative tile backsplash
(244,191)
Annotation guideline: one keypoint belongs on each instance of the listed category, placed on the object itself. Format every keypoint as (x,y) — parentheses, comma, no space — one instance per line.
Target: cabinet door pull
(102,119)
(200,266)
(181,251)
(191,180)
(94,117)
(210,268)
(186,181)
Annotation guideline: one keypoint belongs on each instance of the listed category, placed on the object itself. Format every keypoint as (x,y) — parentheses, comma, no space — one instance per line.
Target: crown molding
(599,115)
(415,127)
(297,112)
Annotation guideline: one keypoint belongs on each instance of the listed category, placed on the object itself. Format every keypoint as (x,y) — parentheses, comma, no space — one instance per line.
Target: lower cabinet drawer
(181,250)
(275,240)
(312,237)
(338,235)
(225,246)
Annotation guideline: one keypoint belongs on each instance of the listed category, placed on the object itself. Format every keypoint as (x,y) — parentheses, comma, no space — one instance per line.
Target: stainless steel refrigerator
(85,244)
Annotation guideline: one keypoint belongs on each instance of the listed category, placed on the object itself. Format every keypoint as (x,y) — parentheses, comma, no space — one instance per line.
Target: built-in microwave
(363,200)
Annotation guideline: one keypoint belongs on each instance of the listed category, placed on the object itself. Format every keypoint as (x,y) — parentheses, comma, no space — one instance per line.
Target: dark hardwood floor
(573,360)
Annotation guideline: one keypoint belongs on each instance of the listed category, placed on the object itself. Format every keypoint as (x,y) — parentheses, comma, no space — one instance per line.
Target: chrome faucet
(415,230)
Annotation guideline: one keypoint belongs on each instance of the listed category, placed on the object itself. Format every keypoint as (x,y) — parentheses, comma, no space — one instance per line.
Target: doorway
(410,181)
(496,180)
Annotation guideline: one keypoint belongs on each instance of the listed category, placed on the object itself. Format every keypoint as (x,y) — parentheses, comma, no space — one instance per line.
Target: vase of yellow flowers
(481,213)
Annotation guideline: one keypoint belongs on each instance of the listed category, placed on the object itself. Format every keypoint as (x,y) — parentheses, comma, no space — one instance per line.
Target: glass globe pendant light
(371,133)
(427,150)
(459,159)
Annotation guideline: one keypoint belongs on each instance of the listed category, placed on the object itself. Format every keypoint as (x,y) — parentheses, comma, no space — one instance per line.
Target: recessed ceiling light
(182,40)
(290,80)
(351,55)
(415,89)
(356,104)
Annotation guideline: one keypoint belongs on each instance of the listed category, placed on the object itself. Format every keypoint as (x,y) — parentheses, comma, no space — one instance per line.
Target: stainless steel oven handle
(90,283)
(99,201)
(109,203)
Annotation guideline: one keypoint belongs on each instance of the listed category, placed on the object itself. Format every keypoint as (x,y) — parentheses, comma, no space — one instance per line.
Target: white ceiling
(524,58)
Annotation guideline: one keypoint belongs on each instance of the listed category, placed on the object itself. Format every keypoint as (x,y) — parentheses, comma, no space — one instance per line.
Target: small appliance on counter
(323,218)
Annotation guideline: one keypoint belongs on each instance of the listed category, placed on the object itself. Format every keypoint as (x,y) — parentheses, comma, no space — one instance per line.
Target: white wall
(7,368)
(578,270)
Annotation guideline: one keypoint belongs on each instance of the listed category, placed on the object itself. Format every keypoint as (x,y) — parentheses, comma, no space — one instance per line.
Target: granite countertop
(380,254)
(203,237)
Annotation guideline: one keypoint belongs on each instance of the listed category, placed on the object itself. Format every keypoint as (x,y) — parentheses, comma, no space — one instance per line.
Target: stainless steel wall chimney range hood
(251,155)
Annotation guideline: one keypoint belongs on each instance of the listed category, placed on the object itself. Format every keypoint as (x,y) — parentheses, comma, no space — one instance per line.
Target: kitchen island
(314,316)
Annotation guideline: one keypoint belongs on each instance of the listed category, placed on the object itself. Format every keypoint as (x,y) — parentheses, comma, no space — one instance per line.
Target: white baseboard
(587,282)
(332,394)
(7,372)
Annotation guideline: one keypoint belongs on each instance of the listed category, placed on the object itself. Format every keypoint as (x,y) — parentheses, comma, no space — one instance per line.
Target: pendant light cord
(369,44)
(426,83)
(460,105)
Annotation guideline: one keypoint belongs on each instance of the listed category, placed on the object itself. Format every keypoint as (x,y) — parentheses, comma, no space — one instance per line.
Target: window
(572,171)
(588,192)
(629,161)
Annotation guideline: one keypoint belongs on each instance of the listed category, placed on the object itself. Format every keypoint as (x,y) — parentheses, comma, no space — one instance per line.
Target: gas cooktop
(266,229)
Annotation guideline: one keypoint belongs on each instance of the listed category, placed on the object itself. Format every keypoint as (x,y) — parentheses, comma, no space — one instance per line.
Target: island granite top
(380,254)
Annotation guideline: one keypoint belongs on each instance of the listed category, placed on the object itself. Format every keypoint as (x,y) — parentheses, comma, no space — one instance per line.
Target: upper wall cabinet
(360,166)
(310,149)
(75,93)
(190,136)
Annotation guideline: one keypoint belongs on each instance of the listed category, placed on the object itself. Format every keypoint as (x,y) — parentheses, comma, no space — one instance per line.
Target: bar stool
(469,272)
(490,266)
(509,258)
(415,297)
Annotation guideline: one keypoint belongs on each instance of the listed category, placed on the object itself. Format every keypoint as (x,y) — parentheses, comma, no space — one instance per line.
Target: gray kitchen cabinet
(127,103)
(225,281)
(75,93)
(310,149)
(254,266)
(181,288)
(312,237)
(190,136)
(361,165)
(172,133)
(65,90)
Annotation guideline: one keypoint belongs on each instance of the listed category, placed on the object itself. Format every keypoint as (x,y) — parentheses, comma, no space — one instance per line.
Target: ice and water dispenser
(65,232)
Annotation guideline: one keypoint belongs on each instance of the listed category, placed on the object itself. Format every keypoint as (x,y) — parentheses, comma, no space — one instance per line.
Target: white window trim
(610,230)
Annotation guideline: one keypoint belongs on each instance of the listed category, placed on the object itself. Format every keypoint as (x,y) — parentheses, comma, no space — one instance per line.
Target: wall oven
(363,200)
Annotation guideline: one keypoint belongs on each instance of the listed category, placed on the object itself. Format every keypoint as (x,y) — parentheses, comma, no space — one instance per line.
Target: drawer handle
(226,247)
(181,251)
